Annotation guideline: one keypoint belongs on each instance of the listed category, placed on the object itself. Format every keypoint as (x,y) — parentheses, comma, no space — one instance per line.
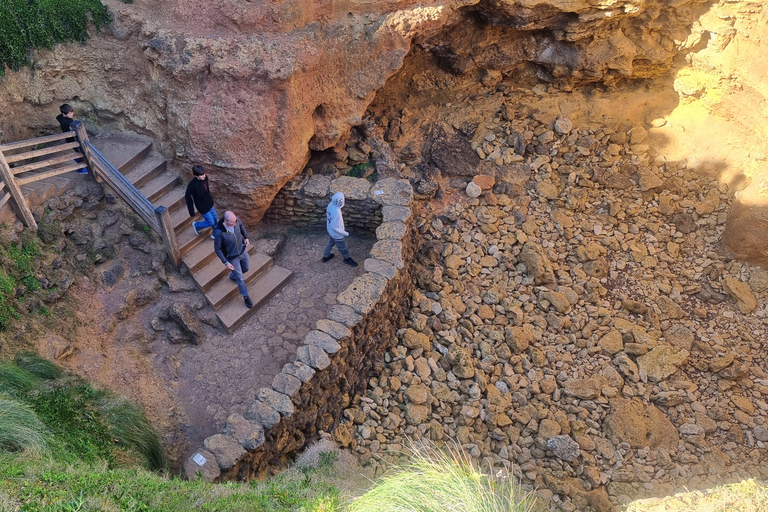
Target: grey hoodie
(334,220)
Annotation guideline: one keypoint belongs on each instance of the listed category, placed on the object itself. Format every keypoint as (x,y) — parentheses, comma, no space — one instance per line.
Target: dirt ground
(187,390)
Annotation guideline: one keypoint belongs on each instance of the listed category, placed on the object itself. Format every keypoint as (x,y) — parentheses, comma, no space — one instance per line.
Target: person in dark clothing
(199,195)
(65,119)
(230,241)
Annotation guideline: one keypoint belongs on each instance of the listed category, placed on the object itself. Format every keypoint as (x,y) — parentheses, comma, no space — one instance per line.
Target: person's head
(230,219)
(338,199)
(198,171)
(67,110)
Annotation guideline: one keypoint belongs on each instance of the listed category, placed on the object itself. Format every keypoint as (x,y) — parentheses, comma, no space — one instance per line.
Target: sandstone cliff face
(250,88)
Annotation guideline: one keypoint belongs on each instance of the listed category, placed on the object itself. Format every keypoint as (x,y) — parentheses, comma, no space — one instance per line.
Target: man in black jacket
(230,241)
(199,195)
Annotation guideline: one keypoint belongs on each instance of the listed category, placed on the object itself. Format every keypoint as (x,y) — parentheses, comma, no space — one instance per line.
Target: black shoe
(248,302)
(350,262)
(328,258)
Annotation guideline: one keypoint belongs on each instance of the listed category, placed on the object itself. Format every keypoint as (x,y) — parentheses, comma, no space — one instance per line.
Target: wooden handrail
(158,219)
(44,163)
(124,188)
(19,202)
(33,142)
(40,152)
(49,174)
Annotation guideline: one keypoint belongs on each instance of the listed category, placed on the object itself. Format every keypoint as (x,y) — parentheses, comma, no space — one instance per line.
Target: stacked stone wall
(333,364)
(303,200)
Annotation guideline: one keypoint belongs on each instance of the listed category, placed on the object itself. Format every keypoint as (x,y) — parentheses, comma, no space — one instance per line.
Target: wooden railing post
(82,137)
(168,234)
(20,204)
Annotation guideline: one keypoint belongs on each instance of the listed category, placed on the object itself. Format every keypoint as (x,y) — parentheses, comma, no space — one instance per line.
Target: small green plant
(327,459)
(146,229)
(357,171)
(27,25)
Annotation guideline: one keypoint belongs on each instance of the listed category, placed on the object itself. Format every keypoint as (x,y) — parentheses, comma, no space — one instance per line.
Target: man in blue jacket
(230,241)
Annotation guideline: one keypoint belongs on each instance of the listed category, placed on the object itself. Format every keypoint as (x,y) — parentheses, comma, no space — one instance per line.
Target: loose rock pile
(582,328)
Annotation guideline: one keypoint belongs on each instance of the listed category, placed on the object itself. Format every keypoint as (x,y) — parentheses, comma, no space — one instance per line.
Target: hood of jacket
(337,200)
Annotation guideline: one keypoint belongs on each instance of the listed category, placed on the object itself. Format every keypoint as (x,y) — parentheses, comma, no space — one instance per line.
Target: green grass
(437,481)
(84,424)
(20,429)
(21,262)
(27,25)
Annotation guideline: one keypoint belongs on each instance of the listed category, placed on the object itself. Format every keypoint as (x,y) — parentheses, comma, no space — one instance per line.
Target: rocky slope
(251,88)
(581,327)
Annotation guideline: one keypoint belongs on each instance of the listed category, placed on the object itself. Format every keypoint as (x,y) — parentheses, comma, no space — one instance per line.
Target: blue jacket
(228,245)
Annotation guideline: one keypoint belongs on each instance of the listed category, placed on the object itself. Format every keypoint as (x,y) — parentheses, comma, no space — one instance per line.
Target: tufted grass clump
(127,424)
(20,428)
(37,366)
(27,25)
(436,481)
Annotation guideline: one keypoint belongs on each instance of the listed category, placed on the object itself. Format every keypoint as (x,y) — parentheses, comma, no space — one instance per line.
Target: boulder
(742,293)
(639,425)
(661,362)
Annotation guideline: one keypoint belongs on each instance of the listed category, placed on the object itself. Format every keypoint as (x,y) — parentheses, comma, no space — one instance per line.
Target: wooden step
(215,271)
(233,313)
(187,239)
(159,186)
(225,289)
(180,219)
(123,152)
(199,256)
(173,200)
(146,171)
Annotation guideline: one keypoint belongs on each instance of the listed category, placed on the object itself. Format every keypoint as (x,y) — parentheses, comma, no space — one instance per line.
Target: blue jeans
(241,264)
(209,219)
(341,245)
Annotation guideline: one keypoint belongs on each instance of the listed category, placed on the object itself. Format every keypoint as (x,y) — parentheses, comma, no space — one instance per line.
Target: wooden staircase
(148,172)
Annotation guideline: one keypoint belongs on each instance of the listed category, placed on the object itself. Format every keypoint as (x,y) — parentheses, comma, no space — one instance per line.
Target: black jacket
(64,122)
(199,194)
(226,244)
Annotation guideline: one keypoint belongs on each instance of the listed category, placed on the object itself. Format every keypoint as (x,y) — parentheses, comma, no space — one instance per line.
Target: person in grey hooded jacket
(335,226)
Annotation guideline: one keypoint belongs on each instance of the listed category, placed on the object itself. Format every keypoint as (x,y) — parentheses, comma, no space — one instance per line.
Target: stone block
(391,231)
(390,251)
(354,189)
(299,370)
(392,192)
(335,329)
(209,470)
(317,186)
(313,356)
(263,414)
(226,449)
(322,340)
(250,434)
(395,213)
(286,384)
(379,267)
(344,314)
(363,293)
(278,401)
